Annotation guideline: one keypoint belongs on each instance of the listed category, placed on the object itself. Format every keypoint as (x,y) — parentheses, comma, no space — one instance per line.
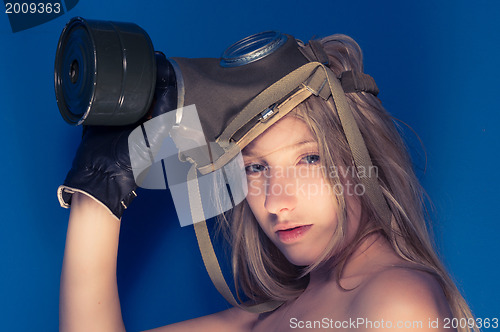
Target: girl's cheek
(255,186)
(310,183)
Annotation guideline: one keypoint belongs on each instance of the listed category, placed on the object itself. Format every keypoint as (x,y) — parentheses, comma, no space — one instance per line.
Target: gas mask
(105,74)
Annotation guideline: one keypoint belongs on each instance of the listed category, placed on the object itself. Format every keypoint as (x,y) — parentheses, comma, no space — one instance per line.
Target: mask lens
(252,48)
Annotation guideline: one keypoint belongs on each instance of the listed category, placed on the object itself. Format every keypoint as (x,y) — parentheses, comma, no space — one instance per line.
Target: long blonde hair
(263,273)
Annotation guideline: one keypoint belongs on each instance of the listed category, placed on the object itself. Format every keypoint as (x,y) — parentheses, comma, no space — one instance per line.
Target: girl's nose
(280,193)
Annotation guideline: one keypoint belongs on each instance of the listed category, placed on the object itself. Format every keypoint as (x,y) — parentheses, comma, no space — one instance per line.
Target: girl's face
(287,193)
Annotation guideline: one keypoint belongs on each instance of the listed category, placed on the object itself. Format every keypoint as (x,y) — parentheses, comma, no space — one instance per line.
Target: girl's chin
(299,260)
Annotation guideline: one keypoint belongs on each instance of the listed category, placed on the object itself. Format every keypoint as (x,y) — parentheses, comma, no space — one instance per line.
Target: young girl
(306,233)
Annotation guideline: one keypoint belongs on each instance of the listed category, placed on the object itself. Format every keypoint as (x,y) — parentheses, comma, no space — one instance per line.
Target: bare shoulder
(231,320)
(401,294)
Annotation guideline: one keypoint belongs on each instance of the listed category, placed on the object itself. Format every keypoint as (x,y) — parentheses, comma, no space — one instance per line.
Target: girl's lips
(293,234)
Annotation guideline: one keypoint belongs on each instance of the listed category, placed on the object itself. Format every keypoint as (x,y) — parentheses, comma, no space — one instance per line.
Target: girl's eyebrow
(294,146)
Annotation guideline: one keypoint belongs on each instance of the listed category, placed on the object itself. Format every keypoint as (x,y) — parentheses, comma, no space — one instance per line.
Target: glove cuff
(110,193)
(65,193)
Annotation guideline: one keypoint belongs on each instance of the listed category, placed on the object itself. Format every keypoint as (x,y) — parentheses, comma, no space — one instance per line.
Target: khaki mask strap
(280,110)
(304,81)
(358,148)
(207,250)
(271,95)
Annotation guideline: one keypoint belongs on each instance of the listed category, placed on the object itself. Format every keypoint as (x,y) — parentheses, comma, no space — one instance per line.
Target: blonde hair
(263,273)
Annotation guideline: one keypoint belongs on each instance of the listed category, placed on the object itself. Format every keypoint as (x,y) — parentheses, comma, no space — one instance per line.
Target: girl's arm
(89,294)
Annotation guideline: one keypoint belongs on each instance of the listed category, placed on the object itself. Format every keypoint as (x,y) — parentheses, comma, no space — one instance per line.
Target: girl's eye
(254,168)
(311,159)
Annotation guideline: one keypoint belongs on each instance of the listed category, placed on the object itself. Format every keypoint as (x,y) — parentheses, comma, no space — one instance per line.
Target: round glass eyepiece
(252,48)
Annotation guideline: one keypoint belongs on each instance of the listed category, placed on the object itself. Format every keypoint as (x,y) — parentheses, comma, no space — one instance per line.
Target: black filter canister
(105,72)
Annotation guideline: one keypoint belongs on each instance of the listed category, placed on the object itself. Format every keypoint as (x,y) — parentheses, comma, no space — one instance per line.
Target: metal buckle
(268,113)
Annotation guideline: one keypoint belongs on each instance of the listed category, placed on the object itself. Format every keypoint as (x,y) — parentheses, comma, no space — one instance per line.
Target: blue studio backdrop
(436,64)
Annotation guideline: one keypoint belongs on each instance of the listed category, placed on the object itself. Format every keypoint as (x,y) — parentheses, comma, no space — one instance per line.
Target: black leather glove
(101,168)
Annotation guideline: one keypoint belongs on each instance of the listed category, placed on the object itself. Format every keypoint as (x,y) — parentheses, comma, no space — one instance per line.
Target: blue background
(436,64)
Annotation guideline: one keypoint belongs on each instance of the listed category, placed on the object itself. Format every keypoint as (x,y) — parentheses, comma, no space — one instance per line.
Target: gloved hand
(101,168)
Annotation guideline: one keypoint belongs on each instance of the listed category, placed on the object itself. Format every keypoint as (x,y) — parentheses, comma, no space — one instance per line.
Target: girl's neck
(359,263)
